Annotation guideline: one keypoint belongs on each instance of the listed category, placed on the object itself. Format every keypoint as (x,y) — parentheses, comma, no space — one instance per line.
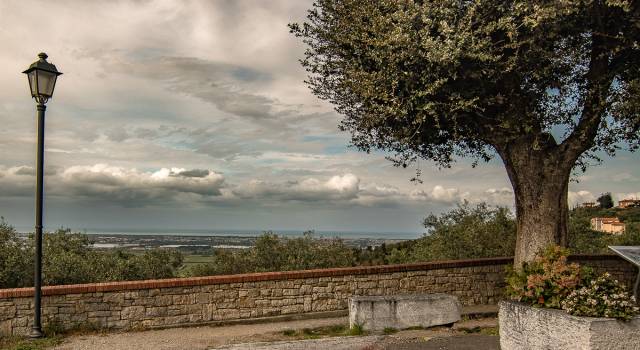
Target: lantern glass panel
(32,83)
(46,83)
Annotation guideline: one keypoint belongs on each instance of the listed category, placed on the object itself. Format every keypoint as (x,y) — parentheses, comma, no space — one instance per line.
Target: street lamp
(42,80)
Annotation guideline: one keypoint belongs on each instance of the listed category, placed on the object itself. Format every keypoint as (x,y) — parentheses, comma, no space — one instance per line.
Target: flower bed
(597,312)
(526,327)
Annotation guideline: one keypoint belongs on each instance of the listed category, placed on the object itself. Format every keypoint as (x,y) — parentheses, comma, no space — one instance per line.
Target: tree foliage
(435,79)
(605,200)
(546,85)
(274,253)
(16,264)
(69,259)
(465,232)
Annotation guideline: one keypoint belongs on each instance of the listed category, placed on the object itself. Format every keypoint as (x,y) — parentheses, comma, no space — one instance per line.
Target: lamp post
(42,80)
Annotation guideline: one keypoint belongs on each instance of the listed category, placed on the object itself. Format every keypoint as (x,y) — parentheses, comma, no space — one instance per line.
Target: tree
(69,259)
(274,253)
(465,232)
(544,85)
(605,200)
(16,265)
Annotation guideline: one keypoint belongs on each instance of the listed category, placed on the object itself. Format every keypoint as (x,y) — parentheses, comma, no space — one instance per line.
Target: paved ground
(269,336)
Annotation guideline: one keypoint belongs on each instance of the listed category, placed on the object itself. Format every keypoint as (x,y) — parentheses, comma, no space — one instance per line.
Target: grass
(289,332)
(356,329)
(18,343)
(196,259)
(390,330)
(55,334)
(320,332)
(490,331)
(485,330)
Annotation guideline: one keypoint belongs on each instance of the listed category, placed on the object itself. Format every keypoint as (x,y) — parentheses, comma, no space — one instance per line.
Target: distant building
(608,225)
(588,205)
(628,203)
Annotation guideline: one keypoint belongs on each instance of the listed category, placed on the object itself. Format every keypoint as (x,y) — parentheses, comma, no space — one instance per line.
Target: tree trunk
(540,181)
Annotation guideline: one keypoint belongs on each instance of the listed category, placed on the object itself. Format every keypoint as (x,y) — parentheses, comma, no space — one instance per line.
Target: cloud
(627,195)
(118,185)
(193,173)
(576,198)
(178,89)
(221,84)
(117,134)
(339,187)
(497,196)
(440,194)
(624,177)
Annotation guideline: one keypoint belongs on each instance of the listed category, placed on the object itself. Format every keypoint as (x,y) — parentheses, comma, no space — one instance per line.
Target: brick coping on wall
(267,276)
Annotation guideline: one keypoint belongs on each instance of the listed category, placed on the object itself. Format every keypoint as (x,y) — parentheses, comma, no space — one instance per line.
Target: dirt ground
(267,336)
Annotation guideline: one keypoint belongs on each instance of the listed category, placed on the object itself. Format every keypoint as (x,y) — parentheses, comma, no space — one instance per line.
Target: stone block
(5,328)
(114,298)
(403,311)
(7,312)
(163,300)
(99,306)
(92,314)
(526,327)
(21,321)
(117,324)
(246,303)
(21,331)
(156,311)
(132,313)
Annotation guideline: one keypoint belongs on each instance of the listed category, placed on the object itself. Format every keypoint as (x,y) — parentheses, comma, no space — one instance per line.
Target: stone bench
(403,311)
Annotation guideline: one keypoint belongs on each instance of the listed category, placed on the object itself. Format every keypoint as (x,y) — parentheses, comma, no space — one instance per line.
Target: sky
(195,115)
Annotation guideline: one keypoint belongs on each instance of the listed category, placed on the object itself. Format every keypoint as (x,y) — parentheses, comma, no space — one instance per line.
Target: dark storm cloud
(213,82)
(30,171)
(193,173)
(116,185)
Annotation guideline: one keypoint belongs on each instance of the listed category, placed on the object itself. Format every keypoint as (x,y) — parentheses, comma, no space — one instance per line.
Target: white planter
(525,327)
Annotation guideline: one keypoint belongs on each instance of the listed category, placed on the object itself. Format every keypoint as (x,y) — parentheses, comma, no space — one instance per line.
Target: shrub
(69,259)
(602,297)
(547,280)
(466,232)
(274,253)
(16,261)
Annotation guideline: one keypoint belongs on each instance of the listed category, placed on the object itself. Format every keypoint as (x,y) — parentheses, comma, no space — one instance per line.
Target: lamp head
(42,77)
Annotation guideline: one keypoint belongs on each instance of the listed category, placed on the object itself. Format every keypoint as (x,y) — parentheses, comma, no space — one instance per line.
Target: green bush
(16,262)
(602,297)
(274,253)
(69,259)
(464,232)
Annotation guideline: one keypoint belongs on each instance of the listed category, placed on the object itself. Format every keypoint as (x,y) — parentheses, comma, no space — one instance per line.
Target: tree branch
(599,80)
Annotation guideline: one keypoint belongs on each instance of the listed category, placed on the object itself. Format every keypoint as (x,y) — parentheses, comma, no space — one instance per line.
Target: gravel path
(268,336)
(193,338)
(379,342)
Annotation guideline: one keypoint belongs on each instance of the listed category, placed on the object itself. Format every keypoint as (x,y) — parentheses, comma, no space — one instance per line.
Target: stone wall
(202,300)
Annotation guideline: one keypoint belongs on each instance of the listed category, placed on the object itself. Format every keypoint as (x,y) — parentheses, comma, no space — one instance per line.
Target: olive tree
(547,86)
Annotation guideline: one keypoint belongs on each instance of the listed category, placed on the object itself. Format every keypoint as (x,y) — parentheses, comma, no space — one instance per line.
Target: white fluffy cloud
(339,187)
(576,198)
(627,195)
(440,194)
